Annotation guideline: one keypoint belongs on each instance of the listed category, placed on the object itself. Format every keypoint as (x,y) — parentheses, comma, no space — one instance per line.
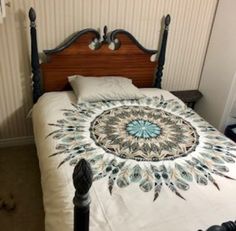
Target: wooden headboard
(88,53)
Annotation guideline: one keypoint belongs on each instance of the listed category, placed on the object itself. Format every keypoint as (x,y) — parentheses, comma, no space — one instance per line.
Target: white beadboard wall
(56,19)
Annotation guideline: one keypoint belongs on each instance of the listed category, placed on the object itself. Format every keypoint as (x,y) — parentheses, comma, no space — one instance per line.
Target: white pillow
(92,89)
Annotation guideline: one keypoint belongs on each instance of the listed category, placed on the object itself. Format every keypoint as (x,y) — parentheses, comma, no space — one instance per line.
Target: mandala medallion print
(143,133)
(152,142)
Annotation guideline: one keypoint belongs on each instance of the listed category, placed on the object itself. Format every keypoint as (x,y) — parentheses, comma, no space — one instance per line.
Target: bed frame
(87,53)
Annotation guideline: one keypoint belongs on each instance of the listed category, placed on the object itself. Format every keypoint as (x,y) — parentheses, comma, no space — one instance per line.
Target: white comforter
(126,208)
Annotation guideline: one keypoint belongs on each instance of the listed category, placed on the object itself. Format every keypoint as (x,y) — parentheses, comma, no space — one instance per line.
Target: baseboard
(16,141)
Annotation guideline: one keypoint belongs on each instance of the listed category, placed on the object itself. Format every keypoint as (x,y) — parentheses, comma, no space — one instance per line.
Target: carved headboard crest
(98,40)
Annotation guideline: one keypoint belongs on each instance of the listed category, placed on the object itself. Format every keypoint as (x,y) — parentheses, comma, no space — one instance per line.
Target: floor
(20,176)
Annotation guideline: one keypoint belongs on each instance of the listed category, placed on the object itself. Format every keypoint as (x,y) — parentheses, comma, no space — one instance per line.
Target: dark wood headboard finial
(162,54)
(36,78)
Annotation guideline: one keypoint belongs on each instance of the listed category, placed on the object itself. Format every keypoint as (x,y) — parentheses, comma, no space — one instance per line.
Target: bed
(145,164)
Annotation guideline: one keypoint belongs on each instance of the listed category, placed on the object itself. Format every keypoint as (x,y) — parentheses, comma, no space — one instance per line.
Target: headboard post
(161,60)
(37,92)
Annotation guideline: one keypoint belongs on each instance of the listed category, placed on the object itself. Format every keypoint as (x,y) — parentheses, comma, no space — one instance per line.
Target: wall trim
(16,141)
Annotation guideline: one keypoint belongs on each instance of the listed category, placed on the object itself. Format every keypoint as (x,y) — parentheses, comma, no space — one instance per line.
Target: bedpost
(34,57)
(161,59)
(82,179)
(227,226)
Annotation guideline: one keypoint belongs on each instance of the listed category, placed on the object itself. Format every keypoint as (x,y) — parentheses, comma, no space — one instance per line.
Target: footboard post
(82,179)
(227,226)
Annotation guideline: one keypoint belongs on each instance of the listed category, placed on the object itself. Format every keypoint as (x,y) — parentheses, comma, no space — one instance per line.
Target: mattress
(190,185)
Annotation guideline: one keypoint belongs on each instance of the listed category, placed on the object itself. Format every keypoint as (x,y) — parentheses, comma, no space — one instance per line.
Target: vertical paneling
(188,37)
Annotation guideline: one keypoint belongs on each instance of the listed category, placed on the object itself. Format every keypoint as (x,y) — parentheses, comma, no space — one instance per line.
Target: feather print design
(152,142)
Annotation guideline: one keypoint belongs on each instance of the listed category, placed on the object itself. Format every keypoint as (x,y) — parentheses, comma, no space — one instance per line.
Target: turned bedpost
(161,59)
(227,226)
(82,179)
(34,57)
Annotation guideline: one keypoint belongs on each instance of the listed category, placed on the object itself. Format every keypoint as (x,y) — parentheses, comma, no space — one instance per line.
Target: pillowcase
(92,89)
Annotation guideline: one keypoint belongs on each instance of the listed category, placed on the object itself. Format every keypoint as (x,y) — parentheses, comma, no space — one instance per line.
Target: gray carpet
(20,175)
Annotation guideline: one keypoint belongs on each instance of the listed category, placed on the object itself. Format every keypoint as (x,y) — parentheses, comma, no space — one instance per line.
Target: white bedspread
(126,208)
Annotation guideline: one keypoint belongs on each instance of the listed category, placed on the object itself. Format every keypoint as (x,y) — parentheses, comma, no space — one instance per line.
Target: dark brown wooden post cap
(167,20)
(32,14)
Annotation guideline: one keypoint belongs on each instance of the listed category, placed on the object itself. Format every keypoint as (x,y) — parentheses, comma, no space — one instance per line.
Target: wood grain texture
(129,61)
